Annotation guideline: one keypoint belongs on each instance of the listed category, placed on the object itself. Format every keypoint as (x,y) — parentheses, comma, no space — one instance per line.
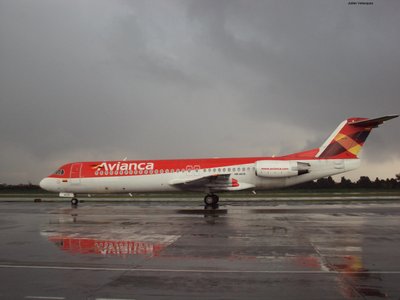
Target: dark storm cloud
(313,62)
(314,55)
(82,80)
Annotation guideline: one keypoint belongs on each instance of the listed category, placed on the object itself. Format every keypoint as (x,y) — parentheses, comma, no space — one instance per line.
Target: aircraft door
(75,177)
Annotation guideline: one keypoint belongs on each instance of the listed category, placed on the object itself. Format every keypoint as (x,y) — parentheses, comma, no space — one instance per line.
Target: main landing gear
(74,202)
(211,201)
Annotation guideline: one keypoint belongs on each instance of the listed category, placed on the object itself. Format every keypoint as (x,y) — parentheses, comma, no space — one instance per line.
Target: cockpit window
(59,172)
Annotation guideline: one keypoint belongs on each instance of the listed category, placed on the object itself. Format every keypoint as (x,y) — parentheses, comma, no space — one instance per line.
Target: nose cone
(47,184)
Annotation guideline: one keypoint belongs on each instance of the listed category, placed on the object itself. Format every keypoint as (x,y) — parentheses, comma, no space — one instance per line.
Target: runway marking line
(44,297)
(187,271)
(113,299)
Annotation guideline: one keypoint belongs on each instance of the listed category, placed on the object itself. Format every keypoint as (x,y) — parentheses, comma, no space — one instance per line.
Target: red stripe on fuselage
(147,167)
(151,167)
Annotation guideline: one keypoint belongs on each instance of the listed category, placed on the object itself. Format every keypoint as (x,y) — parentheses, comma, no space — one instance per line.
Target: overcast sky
(95,79)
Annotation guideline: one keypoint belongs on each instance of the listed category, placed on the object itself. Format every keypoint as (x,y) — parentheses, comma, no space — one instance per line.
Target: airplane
(338,154)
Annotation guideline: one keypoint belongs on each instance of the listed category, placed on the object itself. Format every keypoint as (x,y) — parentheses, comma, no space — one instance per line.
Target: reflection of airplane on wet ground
(338,154)
(73,235)
(116,238)
(351,269)
(100,246)
(353,277)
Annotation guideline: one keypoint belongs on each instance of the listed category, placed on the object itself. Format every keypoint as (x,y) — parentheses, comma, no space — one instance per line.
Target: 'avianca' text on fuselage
(338,154)
(122,167)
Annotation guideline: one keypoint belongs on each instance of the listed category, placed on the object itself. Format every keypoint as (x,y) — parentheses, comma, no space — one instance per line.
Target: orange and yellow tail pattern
(347,140)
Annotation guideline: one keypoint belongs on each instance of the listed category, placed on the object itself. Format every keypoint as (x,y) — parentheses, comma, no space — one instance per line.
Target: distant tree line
(6,188)
(364,182)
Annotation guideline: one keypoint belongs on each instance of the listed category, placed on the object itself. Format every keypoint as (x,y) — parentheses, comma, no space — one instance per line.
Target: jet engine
(281,168)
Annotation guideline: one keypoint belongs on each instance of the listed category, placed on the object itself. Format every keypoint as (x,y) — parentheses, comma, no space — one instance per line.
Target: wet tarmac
(242,250)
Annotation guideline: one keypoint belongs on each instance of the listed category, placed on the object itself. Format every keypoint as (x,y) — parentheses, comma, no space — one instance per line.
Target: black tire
(74,201)
(211,199)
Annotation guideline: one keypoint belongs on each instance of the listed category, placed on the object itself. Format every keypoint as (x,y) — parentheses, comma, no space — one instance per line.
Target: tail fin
(349,137)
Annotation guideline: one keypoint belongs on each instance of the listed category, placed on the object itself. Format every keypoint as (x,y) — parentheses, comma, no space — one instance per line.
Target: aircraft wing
(213,182)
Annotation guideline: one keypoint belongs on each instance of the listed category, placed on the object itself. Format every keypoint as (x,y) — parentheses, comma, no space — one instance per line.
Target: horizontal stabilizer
(372,123)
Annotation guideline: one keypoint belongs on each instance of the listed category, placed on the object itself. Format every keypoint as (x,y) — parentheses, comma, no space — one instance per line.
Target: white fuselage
(161,182)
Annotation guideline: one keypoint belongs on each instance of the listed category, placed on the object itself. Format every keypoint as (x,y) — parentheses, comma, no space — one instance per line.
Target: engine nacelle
(281,168)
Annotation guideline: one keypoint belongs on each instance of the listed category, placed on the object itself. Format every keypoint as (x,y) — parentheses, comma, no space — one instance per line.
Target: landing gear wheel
(74,202)
(211,200)
(208,199)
